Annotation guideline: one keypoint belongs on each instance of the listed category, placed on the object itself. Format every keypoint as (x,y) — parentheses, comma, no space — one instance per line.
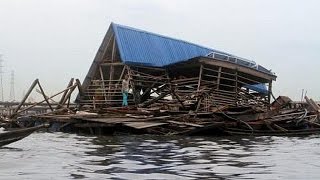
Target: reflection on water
(69,156)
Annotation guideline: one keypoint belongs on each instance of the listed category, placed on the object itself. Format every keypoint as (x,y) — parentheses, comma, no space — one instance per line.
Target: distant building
(186,74)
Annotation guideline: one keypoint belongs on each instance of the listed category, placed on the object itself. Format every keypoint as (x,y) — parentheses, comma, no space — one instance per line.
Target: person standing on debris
(125,90)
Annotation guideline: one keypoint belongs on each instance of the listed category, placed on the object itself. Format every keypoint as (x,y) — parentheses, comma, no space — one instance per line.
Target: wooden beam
(68,95)
(219,77)
(25,97)
(35,104)
(112,64)
(236,88)
(231,65)
(44,96)
(106,47)
(269,91)
(103,84)
(200,77)
(64,94)
(146,104)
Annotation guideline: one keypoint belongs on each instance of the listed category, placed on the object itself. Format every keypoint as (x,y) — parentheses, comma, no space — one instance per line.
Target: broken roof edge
(258,67)
(132,63)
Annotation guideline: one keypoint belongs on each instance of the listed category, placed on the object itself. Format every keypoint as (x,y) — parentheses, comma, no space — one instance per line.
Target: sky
(56,40)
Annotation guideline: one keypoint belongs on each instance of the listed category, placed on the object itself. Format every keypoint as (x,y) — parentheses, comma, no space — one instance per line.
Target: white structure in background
(12,93)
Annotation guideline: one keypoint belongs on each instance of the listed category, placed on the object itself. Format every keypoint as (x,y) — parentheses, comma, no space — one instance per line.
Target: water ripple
(70,156)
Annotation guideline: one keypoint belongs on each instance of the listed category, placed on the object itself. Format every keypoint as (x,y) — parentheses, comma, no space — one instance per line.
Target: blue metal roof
(260,88)
(141,47)
(149,49)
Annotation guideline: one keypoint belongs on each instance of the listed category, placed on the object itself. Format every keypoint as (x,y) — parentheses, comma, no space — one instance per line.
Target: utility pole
(12,93)
(1,73)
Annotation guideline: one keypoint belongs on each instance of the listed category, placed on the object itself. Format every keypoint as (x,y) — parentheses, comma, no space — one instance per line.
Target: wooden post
(69,94)
(27,108)
(64,94)
(198,89)
(236,87)
(269,91)
(79,87)
(44,96)
(111,66)
(103,84)
(130,82)
(122,73)
(200,77)
(26,96)
(219,75)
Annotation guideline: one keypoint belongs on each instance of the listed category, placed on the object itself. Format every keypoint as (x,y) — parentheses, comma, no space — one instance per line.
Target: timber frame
(200,84)
(197,84)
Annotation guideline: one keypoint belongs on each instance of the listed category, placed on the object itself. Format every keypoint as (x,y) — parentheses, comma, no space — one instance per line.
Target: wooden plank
(112,120)
(312,104)
(86,125)
(315,105)
(185,123)
(143,125)
(112,64)
(226,73)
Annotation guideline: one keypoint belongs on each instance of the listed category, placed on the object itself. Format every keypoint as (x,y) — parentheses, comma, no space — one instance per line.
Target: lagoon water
(69,156)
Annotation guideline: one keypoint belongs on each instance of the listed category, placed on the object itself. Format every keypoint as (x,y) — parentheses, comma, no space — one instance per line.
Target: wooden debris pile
(284,118)
(185,113)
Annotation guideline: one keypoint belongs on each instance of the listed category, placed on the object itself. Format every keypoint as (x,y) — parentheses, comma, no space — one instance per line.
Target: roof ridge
(115,25)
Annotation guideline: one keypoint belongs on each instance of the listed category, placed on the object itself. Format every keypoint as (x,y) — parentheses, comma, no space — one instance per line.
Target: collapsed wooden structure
(176,88)
(201,82)
(284,119)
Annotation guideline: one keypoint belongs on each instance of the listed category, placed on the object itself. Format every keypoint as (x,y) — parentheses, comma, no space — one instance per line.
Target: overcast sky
(57,40)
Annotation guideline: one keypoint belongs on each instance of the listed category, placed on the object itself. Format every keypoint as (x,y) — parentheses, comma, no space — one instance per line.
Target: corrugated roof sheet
(260,88)
(150,49)
(141,47)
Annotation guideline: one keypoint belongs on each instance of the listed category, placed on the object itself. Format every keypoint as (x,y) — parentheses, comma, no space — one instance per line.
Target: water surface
(70,156)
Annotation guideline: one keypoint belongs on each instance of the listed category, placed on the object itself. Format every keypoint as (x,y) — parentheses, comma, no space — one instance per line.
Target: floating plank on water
(143,125)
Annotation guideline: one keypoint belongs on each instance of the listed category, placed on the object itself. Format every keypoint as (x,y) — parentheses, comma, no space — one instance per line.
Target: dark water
(69,156)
